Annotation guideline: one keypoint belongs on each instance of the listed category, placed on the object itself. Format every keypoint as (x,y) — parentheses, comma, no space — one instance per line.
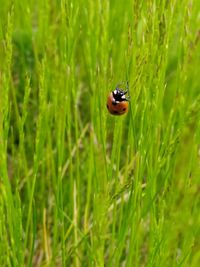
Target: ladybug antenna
(123,83)
(127,86)
(118,86)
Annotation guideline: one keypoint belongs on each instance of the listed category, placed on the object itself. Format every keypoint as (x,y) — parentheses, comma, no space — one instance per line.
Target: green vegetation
(78,186)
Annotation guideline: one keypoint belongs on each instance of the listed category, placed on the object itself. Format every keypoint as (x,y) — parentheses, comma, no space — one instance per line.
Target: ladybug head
(119,95)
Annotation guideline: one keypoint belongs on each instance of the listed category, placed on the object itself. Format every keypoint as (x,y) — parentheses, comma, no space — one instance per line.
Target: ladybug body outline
(117,102)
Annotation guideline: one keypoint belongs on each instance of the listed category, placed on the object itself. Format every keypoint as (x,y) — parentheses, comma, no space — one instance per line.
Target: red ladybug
(117,103)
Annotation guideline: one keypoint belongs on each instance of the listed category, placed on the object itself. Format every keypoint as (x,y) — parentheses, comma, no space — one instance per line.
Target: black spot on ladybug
(116,112)
(124,109)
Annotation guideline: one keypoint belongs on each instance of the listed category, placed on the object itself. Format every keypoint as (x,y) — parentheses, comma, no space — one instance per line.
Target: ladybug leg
(125,98)
(127,90)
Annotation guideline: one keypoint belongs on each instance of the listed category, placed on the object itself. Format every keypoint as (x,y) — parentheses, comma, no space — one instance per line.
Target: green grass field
(78,186)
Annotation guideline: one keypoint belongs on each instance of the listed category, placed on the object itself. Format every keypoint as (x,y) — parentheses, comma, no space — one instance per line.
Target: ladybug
(117,103)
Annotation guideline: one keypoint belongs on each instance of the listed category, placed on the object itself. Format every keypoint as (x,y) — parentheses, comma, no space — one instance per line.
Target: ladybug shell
(116,107)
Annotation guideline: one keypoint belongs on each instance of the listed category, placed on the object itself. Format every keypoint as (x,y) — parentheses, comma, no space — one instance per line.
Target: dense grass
(79,187)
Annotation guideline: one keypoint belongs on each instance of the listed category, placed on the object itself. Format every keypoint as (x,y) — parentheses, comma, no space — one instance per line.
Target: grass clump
(79,187)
